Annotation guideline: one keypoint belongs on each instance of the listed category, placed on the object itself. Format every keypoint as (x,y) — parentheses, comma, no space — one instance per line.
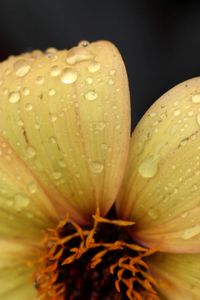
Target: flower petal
(67,113)
(163,177)
(177,275)
(15,274)
(25,208)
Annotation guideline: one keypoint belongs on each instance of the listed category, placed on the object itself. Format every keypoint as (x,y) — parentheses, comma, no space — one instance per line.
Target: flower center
(98,263)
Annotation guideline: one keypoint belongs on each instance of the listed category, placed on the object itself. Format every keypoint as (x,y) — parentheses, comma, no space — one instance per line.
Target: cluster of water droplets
(20,97)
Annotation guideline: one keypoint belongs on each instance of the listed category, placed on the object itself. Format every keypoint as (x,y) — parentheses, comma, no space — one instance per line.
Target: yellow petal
(25,208)
(177,275)
(67,114)
(15,274)
(161,188)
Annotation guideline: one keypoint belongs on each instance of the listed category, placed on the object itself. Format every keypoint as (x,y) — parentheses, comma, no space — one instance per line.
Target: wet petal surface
(25,209)
(15,273)
(177,275)
(161,188)
(67,114)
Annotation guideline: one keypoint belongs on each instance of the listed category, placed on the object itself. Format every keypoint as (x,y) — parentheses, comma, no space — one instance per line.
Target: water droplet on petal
(100,125)
(20,123)
(77,55)
(21,67)
(91,95)
(26,91)
(39,80)
(191,232)
(57,175)
(51,92)
(152,114)
(177,112)
(32,187)
(14,97)
(51,50)
(89,80)
(153,214)
(94,67)
(112,72)
(149,167)
(52,140)
(96,167)
(111,82)
(21,202)
(53,118)
(28,107)
(55,71)
(62,163)
(196,98)
(83,43)
(30,152)
(68,76)
(104,146)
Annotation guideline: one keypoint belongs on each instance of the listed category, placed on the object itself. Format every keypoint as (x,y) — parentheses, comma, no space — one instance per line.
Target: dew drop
(104,146)
(91,95)
(51,50)
(21,68)
(191,232)
(32,187)
(39,80)
(21,201)
(62,163)
(77,55)
(55,71)
(20,123)
(177,112)
(52,140)
(111,82)
(37,126)
(51,92)
(68,76)
(96,167)
(112,72)
(53,118)
(83,43)
(190,113)
(149,167)
(196,98)
(100,125)
(26,91)
(57,175)
(30,152)
(14,97)
(89,80)
(152,114)
(94,67)
(28,107)
(153,214)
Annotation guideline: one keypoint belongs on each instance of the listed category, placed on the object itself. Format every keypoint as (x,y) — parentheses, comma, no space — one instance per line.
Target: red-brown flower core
(98,263)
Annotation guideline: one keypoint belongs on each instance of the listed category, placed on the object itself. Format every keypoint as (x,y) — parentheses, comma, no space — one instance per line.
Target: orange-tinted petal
(67,114)
(161,188)
(15,274)
(177,275)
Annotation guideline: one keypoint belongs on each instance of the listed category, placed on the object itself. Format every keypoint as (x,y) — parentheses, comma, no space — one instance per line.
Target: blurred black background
(159,40)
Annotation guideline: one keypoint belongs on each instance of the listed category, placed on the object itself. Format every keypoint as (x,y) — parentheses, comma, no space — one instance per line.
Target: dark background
(159,40)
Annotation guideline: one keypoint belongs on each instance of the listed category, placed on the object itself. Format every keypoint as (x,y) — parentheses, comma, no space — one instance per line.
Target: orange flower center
(95,263)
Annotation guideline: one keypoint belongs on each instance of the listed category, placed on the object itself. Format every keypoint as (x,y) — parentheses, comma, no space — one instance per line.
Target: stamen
(83,263)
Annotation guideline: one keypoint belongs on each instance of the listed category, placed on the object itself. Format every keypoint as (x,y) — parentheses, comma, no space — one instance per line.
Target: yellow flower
(65,160)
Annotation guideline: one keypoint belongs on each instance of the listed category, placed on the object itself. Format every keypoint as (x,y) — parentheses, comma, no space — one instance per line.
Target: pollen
(98,262)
